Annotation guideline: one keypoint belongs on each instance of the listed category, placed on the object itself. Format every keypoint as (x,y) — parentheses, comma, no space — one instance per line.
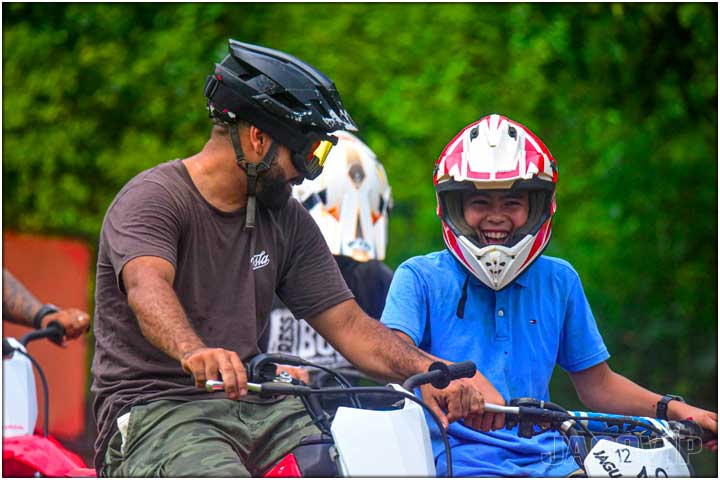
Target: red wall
(55,270)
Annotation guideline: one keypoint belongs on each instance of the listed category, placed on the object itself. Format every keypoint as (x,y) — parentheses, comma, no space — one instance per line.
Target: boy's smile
(495,215)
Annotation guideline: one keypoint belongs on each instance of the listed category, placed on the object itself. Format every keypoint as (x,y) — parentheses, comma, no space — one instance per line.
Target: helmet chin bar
(496,265)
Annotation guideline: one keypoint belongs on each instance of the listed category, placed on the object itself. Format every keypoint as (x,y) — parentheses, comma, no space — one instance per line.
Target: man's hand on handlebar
(465,399)
(214,364)
(75,322)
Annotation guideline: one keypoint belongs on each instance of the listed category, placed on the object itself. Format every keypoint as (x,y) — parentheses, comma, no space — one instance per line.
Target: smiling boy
(493,298)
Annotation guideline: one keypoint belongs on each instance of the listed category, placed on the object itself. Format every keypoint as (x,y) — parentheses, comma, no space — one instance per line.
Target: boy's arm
(601,389)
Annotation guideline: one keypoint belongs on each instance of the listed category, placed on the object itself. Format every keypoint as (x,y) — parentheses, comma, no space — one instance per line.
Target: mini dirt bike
(26,453)
(396,442)
(355,441)
(621,446)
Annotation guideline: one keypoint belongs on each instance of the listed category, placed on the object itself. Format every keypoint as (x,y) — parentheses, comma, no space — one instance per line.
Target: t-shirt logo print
(259,260)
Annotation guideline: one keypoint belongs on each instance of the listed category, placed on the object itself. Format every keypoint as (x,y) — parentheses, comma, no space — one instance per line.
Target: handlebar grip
(707,436)
(464,369)
(440,374)
(56,332)
(691,428)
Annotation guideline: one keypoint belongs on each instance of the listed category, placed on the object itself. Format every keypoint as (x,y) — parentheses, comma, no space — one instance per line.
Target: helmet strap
(252,170)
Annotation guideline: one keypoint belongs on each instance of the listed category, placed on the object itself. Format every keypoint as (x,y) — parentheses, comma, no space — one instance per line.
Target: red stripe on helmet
(534,157)
(453,157)
(478,175)
(537,140)
(451,242)
(540,241)
(512,174)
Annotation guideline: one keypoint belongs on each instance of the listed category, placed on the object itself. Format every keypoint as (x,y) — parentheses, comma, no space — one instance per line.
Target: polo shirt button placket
(501,319)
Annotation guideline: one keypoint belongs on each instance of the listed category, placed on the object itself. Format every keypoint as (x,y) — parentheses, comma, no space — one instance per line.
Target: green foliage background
(624,95)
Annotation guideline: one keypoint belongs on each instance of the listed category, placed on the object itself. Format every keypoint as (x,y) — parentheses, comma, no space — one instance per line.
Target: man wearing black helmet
(190,255)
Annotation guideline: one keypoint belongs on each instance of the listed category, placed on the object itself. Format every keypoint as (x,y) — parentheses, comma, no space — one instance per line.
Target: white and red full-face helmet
(350,200)
(496,153)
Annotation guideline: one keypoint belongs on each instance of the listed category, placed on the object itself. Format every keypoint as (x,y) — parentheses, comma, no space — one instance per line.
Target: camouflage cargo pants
(206,438)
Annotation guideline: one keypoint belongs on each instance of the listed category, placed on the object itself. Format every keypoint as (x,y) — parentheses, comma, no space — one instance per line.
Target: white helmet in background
(350,201)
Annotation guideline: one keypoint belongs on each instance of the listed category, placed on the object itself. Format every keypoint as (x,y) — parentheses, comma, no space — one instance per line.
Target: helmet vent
(358,229)
(357,174)
(512,132)
(474,133)
(320,107)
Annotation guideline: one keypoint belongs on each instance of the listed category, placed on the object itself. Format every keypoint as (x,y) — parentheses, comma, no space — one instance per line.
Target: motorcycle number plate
(612,459)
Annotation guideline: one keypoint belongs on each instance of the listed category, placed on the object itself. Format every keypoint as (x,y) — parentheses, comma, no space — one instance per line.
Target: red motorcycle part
(25,455)
(287,468)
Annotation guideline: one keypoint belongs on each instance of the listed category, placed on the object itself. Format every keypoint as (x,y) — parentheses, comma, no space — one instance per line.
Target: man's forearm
(162,319)
(19,305)
(378,352)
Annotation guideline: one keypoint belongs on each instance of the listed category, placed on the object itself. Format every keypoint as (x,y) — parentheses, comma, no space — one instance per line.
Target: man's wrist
(45,310)
(187,349)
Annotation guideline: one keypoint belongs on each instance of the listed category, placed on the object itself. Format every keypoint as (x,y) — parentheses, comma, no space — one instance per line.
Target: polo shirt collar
(523,280)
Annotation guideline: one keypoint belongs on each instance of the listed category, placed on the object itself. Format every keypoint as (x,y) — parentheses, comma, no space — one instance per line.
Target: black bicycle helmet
(297,105)
(283,96)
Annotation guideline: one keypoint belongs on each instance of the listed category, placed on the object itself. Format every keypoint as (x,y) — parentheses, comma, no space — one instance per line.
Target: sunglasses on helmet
(311,159)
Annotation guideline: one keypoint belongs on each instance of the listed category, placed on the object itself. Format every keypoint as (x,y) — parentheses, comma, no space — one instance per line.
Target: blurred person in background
(350,201)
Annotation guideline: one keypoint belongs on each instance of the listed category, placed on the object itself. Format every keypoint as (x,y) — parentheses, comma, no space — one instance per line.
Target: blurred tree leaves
(624,95)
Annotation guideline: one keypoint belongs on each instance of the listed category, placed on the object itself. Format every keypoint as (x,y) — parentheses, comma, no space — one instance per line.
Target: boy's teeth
(495,235)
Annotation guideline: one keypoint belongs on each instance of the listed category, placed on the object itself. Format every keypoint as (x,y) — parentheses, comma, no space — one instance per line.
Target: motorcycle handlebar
(684,428)
(53,332)
(441,374)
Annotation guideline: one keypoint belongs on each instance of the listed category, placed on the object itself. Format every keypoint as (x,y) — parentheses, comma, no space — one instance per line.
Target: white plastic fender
(393,443)
(19,401)
(612,459)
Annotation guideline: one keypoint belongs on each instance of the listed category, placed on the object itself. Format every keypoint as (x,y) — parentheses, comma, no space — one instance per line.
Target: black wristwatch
(662,405)
(46,309)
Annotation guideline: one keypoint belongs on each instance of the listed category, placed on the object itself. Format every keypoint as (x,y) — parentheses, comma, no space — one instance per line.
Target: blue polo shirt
(515,336)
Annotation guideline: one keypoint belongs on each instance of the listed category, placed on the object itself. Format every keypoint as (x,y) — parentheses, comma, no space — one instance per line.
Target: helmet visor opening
(451,204)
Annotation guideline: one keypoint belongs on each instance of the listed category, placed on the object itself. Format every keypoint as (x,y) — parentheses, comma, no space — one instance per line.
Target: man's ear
(259,140)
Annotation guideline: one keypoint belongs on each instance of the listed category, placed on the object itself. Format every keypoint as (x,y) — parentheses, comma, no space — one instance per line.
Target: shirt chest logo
(260,260)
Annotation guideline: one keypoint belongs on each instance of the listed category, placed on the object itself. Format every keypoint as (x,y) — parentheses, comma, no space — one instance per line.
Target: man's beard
(273,190)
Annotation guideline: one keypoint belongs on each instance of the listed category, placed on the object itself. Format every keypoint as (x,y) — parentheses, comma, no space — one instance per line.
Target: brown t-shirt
(225,278)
